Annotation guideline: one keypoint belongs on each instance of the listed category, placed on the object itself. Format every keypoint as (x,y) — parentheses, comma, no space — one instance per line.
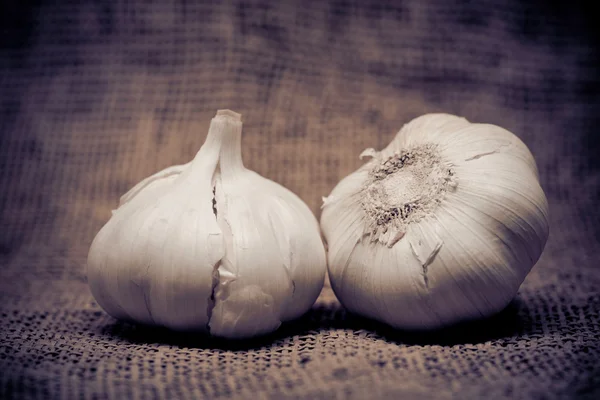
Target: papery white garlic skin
(209,246)
(441,226)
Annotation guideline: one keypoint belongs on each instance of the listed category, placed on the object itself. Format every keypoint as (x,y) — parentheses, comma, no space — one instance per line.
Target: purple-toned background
(96,95)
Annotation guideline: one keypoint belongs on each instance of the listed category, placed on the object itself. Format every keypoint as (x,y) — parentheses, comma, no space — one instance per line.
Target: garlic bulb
(209,245)
(441,226)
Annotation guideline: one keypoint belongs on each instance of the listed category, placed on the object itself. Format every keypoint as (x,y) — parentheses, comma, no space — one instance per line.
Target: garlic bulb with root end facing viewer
(209,246)
(441,226)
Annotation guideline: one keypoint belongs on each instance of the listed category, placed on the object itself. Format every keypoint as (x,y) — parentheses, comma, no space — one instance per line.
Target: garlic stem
(206,159)
(230,160)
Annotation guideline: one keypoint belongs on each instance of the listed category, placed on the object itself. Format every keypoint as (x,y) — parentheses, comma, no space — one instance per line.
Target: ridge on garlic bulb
(209,246)
(442,225)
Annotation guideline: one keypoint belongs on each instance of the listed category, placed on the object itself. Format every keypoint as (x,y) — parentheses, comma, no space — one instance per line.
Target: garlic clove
(100,277)
(425,129)
(342,222)
(299,250)
(163,247)
(482,140)
(274,236)
(347,187)
(471,275)
(512,198)
(248,301)
(376,292)
(156,182)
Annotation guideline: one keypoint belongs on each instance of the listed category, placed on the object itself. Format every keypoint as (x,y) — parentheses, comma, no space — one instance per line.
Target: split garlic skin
(209,246)
(443,225)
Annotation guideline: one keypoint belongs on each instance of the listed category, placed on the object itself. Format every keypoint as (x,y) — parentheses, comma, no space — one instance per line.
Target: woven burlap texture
(95,96)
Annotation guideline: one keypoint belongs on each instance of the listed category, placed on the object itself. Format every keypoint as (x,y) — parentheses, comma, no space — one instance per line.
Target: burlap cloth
(96,95)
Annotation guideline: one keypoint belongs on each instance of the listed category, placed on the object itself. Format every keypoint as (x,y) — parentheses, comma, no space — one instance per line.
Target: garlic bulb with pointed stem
(442,225)
(209,245)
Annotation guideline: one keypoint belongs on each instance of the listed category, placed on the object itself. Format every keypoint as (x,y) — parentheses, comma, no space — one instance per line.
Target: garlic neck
(222,146)
(230,161)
